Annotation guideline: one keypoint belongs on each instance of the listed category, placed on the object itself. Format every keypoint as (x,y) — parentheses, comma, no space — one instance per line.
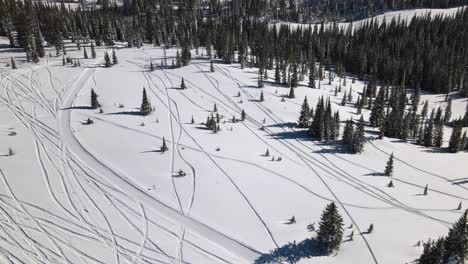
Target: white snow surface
(103,193)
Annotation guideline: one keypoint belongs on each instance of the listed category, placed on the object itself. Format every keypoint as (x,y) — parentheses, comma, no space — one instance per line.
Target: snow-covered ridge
(404,15)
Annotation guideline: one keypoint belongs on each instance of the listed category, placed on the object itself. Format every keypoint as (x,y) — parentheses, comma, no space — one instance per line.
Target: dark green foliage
(359,138)
(107,61)
(456,142)
(304,116)
(94,101)
(182,84)
(145,107)
(456,242)
(330,231)
(13,63)
(114,58)
(389,167)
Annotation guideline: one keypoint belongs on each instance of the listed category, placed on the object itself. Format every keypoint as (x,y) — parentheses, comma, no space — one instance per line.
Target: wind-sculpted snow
(105,193)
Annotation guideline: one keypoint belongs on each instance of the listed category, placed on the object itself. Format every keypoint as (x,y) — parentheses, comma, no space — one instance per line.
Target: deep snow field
(103,193)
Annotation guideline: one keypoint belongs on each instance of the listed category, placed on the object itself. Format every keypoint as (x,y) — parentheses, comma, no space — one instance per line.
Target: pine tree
(390,184)
(151,66)
(215,108)
(107,60)
(261,97)
(277,74)
(433,252)
(93,51)
(114,58)
(13,63)
(243,115)
(178,60)
(85,53)
(455,143)
(291,93)
(312,75)
(182,84)
(389,168)
(377,113)
(456,243)
(359,138)
(294,79)
(304,116)
(429,132)
(186,55)
(448,112)
(330,231)
(211,66)
(163,146)
(94,101)
(343,101)
(260,78)
(145,107)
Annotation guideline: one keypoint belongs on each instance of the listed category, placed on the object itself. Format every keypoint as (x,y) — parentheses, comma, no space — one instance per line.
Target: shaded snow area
(105,193)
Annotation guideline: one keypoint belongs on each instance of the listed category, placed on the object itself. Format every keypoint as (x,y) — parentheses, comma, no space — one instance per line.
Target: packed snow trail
(124,183)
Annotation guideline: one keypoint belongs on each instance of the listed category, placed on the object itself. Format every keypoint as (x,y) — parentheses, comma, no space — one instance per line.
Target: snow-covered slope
(403,15)
(104,193)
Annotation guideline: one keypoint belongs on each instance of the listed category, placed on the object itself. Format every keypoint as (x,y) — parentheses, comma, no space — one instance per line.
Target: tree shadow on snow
(133,113)
(80,107)
(286,124)
(290,134)
(292,252)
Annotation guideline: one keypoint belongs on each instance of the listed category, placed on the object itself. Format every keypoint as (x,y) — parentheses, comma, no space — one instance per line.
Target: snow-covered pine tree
(93,51)
(304,116)
(291,93)
(107,61)
(94,101)
(178,63)
(182,84)
(13,63)
(260,78)
(359,138)
(433,252)
(163,146)
(343,101)
(455,143)
(312,74)
(448,111)
(186,55)
(377,113)
(294,78)
(277,74)
(389,167)
(114,58)
(145,107)
(456,242)
(330,233)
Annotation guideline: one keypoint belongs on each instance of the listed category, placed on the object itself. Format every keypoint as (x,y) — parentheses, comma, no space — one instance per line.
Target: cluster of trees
(450,249)
(415,54)
(354,138)
(322,123)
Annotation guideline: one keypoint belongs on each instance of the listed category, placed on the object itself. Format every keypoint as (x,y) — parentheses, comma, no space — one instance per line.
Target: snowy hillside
(404,15)
(105,193)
